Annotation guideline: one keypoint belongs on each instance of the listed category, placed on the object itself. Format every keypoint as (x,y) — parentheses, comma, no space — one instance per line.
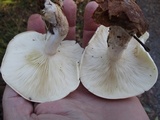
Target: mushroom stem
(58,21)
(53,43)
(117,41)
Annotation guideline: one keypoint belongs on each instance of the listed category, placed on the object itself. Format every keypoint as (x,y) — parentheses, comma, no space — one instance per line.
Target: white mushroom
(115,66)
(42,67)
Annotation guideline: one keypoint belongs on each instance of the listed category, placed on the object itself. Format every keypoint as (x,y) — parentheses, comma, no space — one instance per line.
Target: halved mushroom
(42,67)
(115,66)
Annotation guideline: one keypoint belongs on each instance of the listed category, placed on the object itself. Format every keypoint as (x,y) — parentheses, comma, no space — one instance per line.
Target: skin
(79,105)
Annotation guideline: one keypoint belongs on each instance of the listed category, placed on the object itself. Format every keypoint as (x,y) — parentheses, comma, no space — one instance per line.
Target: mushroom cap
(39,77)
(129,76)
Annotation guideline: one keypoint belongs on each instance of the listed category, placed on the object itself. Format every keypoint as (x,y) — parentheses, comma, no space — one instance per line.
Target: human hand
(79,105)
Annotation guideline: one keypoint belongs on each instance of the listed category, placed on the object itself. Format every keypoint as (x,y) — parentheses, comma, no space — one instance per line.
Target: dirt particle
(119,37)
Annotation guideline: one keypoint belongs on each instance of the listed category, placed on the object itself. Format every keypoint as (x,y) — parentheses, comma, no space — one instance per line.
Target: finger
(35,23)
(14,106)
(9,93)
(89,25)
(70,10)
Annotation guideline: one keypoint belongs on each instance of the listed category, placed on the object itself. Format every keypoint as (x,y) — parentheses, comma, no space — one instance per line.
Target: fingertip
(35,23)
(89,23)
(70,9)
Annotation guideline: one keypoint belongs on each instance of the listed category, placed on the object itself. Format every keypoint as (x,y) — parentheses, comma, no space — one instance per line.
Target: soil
(151,98)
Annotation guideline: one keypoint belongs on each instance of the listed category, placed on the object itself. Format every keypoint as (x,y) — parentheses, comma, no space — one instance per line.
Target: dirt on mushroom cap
(124,13)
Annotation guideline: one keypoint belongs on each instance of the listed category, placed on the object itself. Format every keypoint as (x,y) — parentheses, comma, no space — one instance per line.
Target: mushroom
(115,66)
(42,67)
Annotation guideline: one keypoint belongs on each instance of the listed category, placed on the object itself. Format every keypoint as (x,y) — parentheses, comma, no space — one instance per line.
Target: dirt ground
(150,99)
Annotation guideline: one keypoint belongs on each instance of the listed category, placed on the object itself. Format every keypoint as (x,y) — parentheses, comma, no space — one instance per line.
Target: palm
(79,105)
(82,105)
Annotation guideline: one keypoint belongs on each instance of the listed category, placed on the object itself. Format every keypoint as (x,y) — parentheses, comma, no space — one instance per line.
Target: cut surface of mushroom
(42,67)
(116,69)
